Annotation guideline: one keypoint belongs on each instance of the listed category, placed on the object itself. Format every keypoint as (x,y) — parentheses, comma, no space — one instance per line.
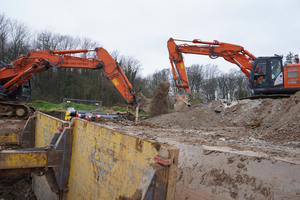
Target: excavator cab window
(276,68)
(267,75)
(26,89)
(260,75)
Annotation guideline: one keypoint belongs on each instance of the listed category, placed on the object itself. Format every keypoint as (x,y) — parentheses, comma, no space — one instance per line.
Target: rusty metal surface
(27,136)
(22,159)
(45,126)
(9,138)
(8,172)
(94,162)
(64,145)
(108,164)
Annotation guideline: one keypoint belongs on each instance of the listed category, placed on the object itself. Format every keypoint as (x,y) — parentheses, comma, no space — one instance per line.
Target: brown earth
(272,120)
(265,125)
(158,104)
(261,125)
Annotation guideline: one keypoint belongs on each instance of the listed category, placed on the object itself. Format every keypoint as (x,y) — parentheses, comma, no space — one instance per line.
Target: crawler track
(274,96)
(11,110)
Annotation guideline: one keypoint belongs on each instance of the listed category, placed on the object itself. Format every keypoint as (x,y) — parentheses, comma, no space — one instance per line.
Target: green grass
(47,107)
(82,107)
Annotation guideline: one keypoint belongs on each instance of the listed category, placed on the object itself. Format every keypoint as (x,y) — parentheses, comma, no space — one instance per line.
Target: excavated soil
(271,120)
(262,125)
(159,103)
(265,125)
(255,129)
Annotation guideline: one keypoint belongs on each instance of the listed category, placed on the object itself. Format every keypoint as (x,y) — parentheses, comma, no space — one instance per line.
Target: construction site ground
(238,138)
(235,135)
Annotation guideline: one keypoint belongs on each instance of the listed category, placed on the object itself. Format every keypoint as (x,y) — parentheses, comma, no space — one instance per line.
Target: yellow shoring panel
(45,126)
(105,163)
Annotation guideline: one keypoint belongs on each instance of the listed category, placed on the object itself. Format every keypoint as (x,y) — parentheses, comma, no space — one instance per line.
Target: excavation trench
(241,149)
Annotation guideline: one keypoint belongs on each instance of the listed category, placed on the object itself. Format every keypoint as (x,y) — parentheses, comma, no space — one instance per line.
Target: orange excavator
(16,84)
(267,76)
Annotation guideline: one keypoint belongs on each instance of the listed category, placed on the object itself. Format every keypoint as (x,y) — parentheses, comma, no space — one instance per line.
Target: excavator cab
(267,76)
(22,93)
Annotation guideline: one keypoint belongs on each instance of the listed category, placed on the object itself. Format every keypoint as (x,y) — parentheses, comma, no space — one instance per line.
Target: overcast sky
(141,28)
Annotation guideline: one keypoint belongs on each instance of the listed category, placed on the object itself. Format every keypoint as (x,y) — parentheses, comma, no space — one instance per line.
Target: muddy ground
(261,132)
(261,125)
(265,125)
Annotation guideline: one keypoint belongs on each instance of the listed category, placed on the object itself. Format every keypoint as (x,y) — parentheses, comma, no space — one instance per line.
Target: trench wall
(206,172)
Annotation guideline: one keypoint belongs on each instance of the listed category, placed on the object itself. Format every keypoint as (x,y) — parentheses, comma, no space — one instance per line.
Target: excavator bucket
(182,102)
(158,104)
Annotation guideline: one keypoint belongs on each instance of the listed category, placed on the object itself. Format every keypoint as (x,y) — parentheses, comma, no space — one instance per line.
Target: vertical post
(136,114)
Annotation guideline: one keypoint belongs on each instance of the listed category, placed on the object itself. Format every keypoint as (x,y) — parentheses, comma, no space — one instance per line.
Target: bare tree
(4,30)
(87,43)
(45,40)
(131,68)
(19,39)
(210,85)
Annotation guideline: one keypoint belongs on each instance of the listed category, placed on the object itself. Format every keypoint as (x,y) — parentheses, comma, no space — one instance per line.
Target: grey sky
(141,28)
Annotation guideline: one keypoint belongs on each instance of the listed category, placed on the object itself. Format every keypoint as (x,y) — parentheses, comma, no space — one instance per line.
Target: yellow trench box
(108,164)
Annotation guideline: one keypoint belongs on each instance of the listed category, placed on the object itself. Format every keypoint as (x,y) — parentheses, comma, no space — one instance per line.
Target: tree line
(207,82)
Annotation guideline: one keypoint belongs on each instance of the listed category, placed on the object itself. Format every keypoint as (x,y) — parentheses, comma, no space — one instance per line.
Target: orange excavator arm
(232,53)
(36,61)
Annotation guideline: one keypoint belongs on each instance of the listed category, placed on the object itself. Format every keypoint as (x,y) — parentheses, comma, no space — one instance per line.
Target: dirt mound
(273,120)
(198,117)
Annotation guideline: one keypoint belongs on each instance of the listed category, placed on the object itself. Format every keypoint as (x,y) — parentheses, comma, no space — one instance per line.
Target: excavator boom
(19,71)
(266,75)
(230,52)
